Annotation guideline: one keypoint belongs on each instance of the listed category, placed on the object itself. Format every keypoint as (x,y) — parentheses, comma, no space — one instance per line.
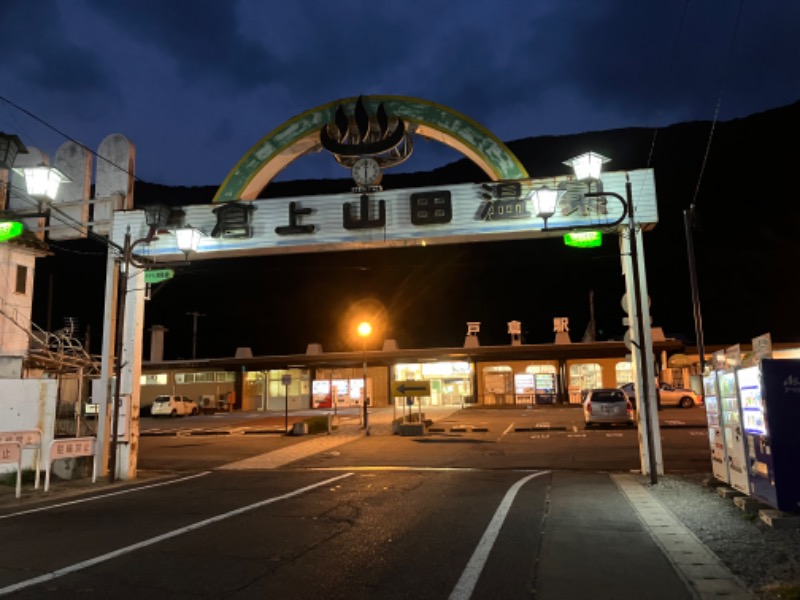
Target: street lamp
(42,181)
(364,330)
(545,202)
(128,258)
(10,146)
(188,239)
(587,167)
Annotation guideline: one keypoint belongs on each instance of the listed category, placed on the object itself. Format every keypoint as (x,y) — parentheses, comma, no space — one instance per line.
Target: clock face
(366,171)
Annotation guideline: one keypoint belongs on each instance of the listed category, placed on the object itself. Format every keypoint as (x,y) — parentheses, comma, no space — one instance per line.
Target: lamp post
(364,330)
(127,258)
(587,167)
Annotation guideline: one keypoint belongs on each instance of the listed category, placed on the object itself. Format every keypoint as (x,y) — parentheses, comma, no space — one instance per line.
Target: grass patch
(10,479)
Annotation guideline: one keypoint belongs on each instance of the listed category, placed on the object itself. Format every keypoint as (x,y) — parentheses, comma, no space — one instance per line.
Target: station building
(513,374)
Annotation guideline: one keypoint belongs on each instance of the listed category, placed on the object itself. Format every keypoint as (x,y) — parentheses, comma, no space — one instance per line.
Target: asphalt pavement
(597,522)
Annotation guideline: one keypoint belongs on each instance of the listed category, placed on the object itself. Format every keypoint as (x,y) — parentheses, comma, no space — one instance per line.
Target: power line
(68,137)
(726,72)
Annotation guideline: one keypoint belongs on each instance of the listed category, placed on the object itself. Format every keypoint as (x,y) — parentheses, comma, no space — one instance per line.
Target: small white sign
(762,347)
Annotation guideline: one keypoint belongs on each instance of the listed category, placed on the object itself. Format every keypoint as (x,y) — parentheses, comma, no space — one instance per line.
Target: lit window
(154,379)
(624,372)
(587,376)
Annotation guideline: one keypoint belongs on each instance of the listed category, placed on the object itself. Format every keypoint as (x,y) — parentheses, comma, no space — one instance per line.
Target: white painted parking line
(468,579)
(160,538)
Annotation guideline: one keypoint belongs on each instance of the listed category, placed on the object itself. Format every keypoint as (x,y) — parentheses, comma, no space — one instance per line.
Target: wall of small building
(15,305)
(27,404)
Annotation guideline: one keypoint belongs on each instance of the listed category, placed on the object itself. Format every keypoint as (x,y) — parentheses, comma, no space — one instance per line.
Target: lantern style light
(587,166)
(545,202)
(42,181)
(188,239)
(10,146)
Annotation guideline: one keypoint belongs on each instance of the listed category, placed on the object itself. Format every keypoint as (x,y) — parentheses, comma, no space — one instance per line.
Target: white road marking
(160,538)
(101,496)
(509,428)
(468,579)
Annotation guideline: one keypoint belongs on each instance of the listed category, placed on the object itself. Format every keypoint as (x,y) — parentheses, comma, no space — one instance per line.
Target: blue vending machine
(770,403)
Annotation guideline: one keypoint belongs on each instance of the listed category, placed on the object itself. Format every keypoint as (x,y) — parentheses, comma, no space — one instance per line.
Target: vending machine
(545,388)
(770,398)
(716,436)
(733,432)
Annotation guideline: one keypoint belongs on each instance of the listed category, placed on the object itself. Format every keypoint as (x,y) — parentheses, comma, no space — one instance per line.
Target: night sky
(194,85)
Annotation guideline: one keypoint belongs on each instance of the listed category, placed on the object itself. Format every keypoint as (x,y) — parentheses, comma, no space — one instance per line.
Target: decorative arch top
(299,135)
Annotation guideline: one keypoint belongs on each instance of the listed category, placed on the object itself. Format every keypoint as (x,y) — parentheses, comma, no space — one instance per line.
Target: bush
(10,478)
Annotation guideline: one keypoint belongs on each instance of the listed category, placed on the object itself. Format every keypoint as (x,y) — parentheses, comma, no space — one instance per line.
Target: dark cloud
(41,54)
(195,84)
(202,37)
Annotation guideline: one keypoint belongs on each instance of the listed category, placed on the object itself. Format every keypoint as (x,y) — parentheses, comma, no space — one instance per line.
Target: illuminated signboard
(397,218)
(10,229)
(583,239)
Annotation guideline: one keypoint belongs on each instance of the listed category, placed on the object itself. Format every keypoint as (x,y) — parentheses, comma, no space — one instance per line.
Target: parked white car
(173,406)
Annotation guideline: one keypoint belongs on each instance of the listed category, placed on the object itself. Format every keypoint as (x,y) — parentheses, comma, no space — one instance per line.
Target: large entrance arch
(398,218)
(300,135)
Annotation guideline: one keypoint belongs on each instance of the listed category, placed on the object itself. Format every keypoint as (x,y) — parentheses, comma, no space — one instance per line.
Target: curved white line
(466,584)
(160,538)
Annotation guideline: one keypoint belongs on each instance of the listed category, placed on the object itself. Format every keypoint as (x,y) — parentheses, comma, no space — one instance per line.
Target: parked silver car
(668,395)
(607,406)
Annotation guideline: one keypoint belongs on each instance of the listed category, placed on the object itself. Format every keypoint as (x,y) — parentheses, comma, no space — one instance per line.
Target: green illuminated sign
(158,275)
(10,229)
(583,239)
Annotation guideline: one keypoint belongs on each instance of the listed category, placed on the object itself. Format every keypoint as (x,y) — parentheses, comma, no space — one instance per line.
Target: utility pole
(194,316)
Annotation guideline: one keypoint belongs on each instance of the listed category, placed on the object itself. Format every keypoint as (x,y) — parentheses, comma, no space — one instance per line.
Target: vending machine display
(545,388)
(734,434)
(770,394)
(716,437)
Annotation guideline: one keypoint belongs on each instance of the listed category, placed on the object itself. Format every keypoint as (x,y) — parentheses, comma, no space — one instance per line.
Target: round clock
(366,171)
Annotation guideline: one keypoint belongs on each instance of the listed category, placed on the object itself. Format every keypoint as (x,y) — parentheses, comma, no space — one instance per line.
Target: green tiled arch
(300,134)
